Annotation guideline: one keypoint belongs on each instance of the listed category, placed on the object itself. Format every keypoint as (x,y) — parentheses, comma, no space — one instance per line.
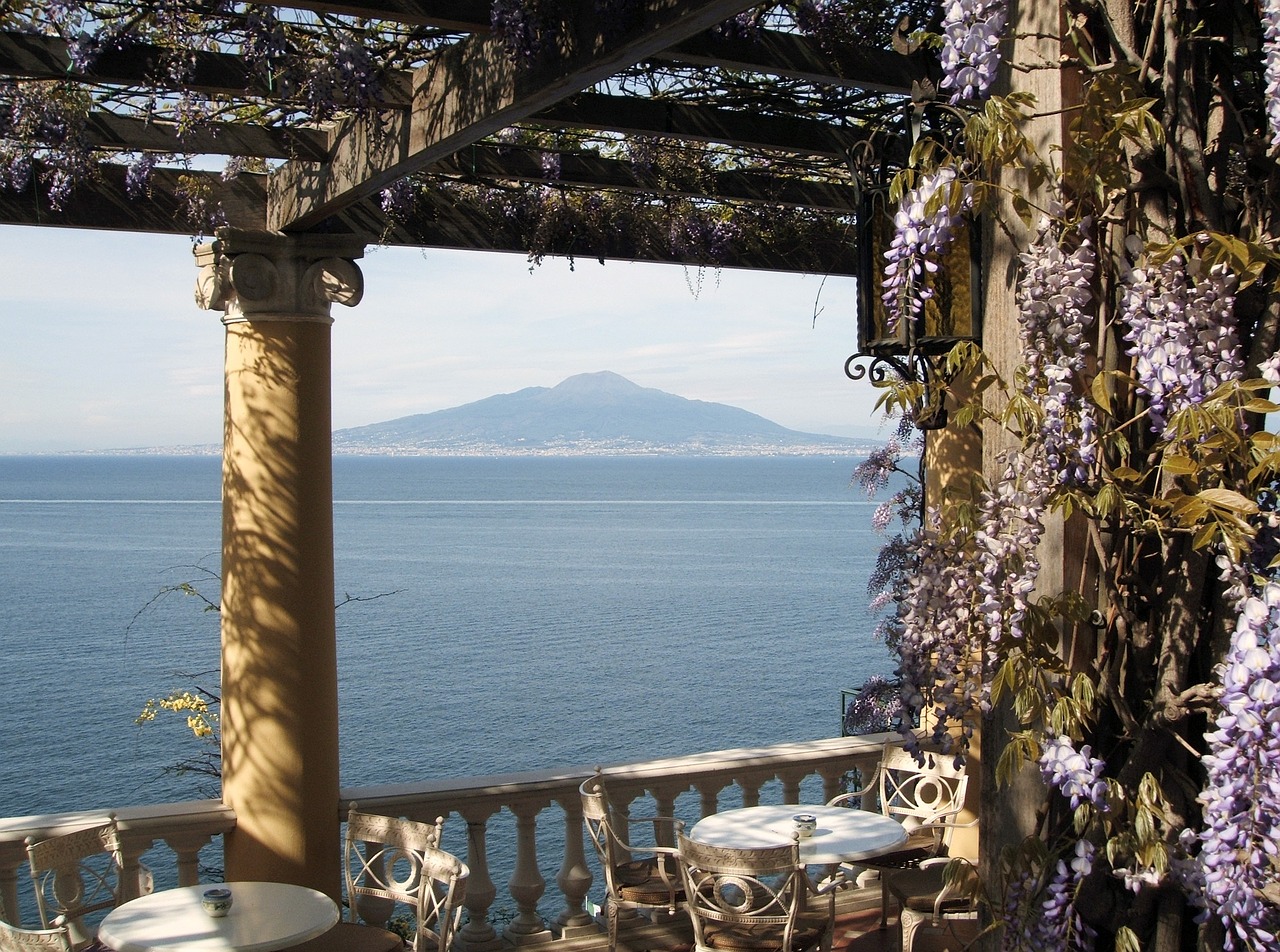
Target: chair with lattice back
(925,796)
(756,899)
(395,873)
(16,939)
(78,878)
(637,875)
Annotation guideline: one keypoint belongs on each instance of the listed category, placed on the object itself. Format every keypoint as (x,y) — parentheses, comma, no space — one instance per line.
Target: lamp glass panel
(950,314)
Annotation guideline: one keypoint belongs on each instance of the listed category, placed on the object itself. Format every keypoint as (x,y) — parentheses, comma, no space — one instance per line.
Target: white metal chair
(924,797)
(15,939)
(637,876)
(78,877)
(936,895)
(392,863)
(754,899)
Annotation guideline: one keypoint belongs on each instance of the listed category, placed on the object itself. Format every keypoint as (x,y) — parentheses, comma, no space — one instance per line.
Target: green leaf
(1229,500)
(1127,940)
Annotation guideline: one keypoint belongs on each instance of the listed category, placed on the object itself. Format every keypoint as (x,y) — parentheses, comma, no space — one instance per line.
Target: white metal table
(843,835)
(263,917)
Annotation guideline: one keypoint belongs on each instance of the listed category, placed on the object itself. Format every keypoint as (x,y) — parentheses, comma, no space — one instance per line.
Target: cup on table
(216,901)
(806,823)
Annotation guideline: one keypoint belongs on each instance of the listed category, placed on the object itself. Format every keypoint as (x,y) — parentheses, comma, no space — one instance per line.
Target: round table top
(263,917)
(843,835)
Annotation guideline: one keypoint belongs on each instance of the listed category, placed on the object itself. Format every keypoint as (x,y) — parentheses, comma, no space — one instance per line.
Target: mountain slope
(594,412)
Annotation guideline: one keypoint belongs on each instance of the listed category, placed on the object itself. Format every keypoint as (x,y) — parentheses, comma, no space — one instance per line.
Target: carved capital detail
(256,276)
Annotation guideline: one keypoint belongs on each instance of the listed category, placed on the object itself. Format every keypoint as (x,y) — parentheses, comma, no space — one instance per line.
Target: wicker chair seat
(641,881)
(918,889)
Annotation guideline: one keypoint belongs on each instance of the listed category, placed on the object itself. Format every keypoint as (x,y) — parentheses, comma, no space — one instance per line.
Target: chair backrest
(390,860)
(75,876)
(915,793)
(14,939)
(597,817)
(751,892)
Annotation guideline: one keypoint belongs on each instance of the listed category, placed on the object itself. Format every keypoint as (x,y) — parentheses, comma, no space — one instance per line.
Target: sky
(105,348)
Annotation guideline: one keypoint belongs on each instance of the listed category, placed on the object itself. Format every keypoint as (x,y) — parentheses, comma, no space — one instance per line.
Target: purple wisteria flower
(1076,774)
(1054,292)
(1240,844)
(924,227)
(1271,56)
(971,34)
(1010,527)
(1182,334)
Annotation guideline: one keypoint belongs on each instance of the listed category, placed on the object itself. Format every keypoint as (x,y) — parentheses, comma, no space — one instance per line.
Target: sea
(495,614)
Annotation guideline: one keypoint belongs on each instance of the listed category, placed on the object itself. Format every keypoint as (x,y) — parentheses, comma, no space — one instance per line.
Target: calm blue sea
(505,613)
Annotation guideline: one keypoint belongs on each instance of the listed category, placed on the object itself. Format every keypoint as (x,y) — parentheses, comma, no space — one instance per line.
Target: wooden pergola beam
(459,16)
(106,130)
(794,56)
(582,169)
(662,119)
(32,56)
(470,91)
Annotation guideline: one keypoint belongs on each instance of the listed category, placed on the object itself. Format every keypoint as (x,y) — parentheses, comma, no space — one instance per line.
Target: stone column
(279,655)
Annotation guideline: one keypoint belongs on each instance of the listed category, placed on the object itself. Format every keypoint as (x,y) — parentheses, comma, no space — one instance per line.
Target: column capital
(265,276)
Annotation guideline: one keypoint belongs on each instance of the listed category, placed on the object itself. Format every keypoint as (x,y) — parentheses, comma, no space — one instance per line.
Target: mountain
(595,413)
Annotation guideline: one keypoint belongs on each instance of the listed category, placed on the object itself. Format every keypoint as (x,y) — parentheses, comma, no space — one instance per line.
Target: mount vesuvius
(593,413)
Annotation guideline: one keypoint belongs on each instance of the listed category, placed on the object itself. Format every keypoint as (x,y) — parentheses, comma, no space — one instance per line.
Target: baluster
(186,848)
(135,878)
(709,794)
(790,785)
(477,935)
(750,790)
(526,884)
(831,774)
(574,878)
(664,798)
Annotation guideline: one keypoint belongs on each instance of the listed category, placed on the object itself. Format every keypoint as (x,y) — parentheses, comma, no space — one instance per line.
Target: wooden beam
(590,171)
(448,222)
(458,16)
(472,90)
(794,56)
(106,205)
(106,130)
(652,117)
(31,56)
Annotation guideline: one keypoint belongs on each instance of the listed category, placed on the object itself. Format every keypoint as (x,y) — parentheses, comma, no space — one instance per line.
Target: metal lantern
(914,349)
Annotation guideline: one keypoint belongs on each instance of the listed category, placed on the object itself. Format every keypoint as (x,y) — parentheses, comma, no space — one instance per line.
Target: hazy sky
(104,346)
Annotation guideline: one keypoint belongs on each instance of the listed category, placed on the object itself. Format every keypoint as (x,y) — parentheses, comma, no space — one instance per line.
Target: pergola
(611,140)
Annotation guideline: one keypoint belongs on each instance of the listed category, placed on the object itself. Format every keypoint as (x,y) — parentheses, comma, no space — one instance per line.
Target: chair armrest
(870,786)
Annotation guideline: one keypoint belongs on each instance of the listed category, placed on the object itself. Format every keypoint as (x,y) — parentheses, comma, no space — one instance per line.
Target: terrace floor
(861,932)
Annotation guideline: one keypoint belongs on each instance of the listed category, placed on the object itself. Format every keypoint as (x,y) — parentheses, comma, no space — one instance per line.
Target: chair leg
(884,899)
(908,924)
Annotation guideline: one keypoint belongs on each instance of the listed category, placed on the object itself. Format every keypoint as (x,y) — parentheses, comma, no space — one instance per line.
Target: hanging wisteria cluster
(1182,333)
(924,227)
(939,639)
(1005,542)
(1054,292)
(971,34)
(1076,774)
(1271,55)
(1240,845)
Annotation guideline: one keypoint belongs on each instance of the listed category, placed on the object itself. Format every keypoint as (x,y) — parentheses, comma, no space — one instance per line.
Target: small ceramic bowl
(806,823)
(216,902)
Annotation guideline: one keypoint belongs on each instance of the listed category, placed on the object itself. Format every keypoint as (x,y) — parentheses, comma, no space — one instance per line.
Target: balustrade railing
(530,821)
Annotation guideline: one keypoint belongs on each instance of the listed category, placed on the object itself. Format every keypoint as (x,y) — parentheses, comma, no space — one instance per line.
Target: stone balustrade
(184,828)
(531,821)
